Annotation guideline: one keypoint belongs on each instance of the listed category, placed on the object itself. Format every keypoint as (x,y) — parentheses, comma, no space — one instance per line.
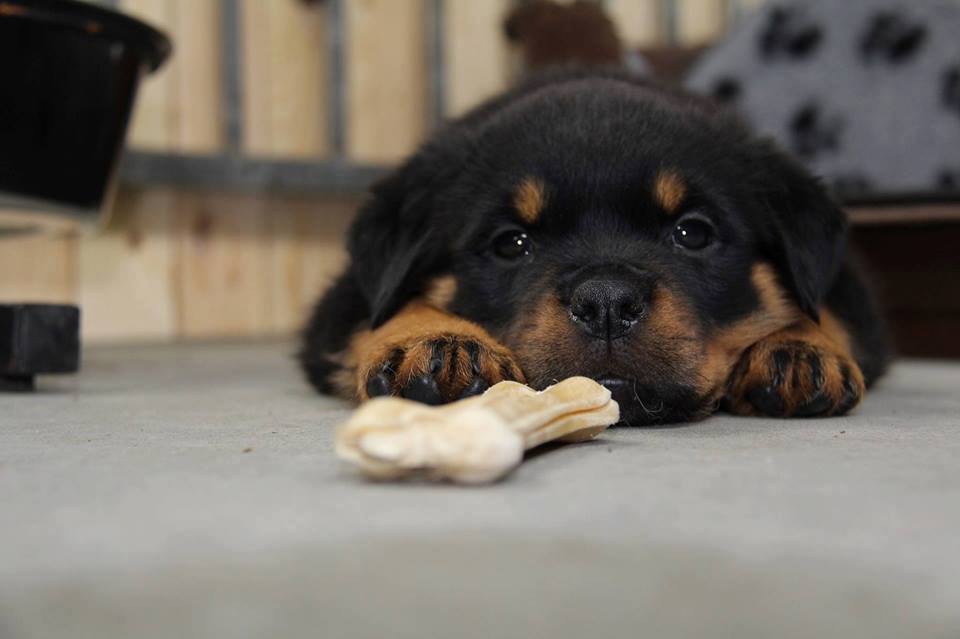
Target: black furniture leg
(37,339)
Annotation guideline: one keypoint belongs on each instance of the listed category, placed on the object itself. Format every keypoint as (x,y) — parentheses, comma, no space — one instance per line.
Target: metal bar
(336,76)
(232,70)
(671,21)
(436,62)
(734,11)
(233,172)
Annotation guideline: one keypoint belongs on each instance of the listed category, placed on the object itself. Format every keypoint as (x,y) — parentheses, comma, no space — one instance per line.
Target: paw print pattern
(727,89)
(892,37)
(948,180)
(812,132)
(865,93)
(950,92)
(789,33)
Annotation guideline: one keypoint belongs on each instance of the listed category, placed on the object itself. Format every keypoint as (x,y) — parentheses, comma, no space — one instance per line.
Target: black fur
(596,141)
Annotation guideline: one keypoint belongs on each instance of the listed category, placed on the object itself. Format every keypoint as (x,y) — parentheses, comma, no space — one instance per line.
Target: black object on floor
(70,73)
(37,339)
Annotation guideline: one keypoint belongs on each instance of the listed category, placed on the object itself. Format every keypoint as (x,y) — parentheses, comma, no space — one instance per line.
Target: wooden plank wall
(169,264)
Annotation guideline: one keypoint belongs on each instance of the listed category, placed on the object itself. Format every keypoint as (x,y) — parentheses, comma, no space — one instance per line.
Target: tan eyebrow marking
(530,199)
(669,190)
(441,291)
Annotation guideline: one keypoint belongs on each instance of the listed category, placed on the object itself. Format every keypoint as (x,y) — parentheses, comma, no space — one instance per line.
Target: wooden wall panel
(196,68)
(154,124)
(38,268)
(477,56)
(701,22)
(222,266)
(285,78)
(179,108)
(256,77)
(386,78)
(307,252)
(640,23)
(186,265)
(249,266)
(125,271)
(298,78)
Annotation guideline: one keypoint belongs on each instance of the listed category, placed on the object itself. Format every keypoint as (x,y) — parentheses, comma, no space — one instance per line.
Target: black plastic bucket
(69,73)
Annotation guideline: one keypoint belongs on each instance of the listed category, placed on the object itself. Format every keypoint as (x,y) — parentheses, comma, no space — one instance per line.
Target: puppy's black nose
(607,308)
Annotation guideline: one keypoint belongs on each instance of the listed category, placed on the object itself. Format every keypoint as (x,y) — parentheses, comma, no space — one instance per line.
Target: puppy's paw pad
(794,379)
(440,369)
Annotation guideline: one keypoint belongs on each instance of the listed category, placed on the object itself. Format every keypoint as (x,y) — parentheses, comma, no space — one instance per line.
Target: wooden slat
(306,254)
(640,23)
(285,74)
(196,68)
(700,22)
(386,78)
(126,271)
(38,268)
(904,214)
(298,78)
(154,124)
(221,277)
(256,77)
(477,57)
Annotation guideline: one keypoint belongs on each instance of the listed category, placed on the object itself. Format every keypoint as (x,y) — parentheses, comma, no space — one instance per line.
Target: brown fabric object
(554,34)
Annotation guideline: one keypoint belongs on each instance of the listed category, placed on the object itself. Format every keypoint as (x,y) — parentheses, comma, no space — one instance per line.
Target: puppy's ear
(395,242)
(804,231)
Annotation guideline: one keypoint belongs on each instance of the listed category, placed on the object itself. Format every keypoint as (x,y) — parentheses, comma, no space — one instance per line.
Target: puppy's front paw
(435,369)
(793,378)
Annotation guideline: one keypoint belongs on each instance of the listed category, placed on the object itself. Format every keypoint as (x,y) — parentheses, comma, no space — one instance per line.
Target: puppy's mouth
(643,405)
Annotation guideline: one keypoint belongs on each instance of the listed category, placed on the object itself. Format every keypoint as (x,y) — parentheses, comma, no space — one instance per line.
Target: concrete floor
(191,491)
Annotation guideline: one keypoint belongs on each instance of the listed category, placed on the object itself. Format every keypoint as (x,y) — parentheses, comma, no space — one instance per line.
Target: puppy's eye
(693,234)
(512,245)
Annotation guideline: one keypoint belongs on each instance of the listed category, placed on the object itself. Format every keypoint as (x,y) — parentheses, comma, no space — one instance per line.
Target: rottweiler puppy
(589,223)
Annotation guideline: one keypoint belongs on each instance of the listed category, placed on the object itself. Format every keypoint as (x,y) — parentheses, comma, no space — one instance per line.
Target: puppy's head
(602,228)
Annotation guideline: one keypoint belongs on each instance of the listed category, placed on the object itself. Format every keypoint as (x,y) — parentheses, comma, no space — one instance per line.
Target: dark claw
(816,406)
(381,383)
(767,401)
(816,372)
(850,393)
(473,349)
(476,387)
(781,360)
(435,365)
(424,389)
(378,385)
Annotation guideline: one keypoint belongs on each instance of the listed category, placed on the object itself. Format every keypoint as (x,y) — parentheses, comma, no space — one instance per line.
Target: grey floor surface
(191,491)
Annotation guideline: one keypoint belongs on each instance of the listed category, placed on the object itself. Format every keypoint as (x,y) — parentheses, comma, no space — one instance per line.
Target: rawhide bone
(475,440)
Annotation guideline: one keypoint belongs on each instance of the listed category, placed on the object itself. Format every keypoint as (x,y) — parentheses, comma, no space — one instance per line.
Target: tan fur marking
(544,339)
(724,349)
(530,199)
(669,344)
(780,325)
(830,342)
(669,190)
(834,329)
(441,291)
(411,331)
(672,319)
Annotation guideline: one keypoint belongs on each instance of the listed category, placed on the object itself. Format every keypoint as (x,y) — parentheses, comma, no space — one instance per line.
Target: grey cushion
(865,92)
